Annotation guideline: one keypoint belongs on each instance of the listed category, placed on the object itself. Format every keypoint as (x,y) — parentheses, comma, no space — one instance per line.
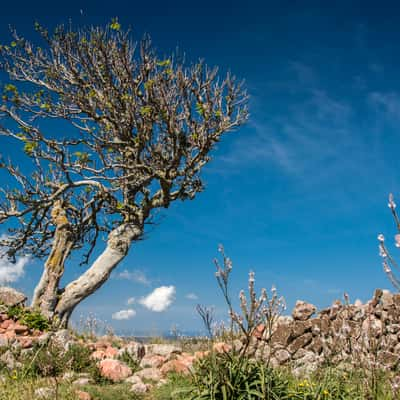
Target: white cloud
(124,314)
(10,272)
(135,276)
(130,301)
(192,296)
(159,299)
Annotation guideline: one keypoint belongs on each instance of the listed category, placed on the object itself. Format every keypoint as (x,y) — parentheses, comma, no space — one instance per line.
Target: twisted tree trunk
(57,304)
(47,291)
(118,244)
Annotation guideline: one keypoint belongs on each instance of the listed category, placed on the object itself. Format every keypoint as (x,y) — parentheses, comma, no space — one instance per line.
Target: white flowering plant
(255,310)
(388,262)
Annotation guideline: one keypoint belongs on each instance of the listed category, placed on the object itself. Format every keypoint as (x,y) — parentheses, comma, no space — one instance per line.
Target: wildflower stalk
(388,262)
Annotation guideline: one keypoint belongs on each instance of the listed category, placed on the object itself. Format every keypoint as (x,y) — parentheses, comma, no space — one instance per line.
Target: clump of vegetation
(52,360)
(33,319)
(229,375)
(132,363)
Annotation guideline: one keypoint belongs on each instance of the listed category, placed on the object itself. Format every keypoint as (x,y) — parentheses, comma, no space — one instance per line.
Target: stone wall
(356,335)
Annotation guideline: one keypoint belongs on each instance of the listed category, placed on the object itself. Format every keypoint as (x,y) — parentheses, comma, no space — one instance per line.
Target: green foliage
(45,361)
(30,147)
(83,157)
(112,392)
(115,25)
(33,319)
(10,88)
(78,358)
(132,363)
(52,360)
(146,110)
(223,376)
(199,109)
(164,63)
(149,84)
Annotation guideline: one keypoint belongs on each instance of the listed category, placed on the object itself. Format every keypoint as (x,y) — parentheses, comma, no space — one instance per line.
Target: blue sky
(300,193)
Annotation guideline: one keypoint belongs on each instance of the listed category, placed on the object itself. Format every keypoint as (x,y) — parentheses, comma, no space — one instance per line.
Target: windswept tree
(113,133)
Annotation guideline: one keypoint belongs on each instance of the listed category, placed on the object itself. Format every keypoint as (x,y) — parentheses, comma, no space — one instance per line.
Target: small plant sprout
(388,261)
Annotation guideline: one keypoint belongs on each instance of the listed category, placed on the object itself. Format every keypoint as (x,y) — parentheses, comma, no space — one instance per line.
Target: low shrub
(233,376)
(132,363)
(33,319)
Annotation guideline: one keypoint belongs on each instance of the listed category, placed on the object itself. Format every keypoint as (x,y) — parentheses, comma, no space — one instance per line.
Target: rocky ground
(354,335)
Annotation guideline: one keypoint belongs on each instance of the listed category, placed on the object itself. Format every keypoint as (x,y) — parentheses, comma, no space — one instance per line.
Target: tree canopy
(113,132)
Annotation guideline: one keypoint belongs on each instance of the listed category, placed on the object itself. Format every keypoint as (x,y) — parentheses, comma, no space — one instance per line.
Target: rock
(316,345)
(99,355)
(301,327)
(114,370)
(161,382)
(139,388)
(82,382)
(259,331)
(20,329)
(372,326)
(10,335)
(281,335)
(301,341)
(358,303)
(201,354)
(68,376)
(111,352)
(3,340)
(6,323)
(11,297)
(186,359)
(282,356)
(387,300)
(153,361)
(45,393)
(336,307)
(174,366)
(303,311)
(388,359)
(165,350)
(43,338)
(133,379)
(237,345)
(134,349)
(83,395)
(396,300)
(9,360)
(152,374)
(305,365)
(222,347)
(62,338)
(25,341)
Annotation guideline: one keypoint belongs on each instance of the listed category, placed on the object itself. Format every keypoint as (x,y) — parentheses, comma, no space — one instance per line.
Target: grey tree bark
(118,244)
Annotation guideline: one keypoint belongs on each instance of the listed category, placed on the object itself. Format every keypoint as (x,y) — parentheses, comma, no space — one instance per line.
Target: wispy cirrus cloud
(387,102)
(130,301)
(308,136)
(192,296)
(136,275)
